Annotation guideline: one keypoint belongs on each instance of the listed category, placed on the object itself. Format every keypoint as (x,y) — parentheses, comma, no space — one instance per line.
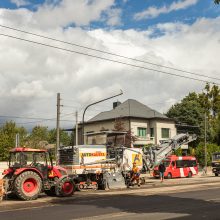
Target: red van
(185,166)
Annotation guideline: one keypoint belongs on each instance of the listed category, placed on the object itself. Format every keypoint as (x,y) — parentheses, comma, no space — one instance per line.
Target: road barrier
(2,181)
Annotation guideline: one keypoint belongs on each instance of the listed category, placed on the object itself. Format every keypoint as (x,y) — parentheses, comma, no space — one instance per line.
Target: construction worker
(135,174)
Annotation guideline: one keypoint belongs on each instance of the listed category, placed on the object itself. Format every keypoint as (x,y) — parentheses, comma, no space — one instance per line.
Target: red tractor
(31,172)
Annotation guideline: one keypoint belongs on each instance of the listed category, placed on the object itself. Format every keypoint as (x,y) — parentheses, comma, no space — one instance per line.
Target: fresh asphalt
(193,199)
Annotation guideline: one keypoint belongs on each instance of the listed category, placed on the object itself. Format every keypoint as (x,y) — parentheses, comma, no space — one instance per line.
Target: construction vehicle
(99,166)
(216,163)
(155,154)
(104,166)
(31,171)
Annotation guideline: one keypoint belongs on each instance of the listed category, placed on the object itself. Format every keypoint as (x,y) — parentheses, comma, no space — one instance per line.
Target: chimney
(116,104)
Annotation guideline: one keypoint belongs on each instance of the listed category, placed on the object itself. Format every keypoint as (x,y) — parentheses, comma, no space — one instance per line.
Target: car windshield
(166,163)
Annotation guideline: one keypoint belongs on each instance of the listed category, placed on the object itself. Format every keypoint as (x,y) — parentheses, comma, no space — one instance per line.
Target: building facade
(145,124)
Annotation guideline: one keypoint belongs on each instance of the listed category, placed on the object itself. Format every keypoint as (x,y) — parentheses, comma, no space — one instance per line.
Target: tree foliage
(65,139)
(188,111)
(39,137)
(200,152)
(217,1)
(7,138)
(194,109)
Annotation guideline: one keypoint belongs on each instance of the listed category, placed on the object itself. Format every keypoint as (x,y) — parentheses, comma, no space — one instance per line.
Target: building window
(142,132)
(165,132)
(151,132)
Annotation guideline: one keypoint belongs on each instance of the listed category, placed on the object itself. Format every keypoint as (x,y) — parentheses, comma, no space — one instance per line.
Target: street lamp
(121,92)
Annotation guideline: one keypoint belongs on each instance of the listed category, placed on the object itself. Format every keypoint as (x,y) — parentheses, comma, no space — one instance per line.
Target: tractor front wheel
(65,187)
(28,185)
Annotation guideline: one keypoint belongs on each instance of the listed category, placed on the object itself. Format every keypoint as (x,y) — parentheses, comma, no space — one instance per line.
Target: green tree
(38,137)
(217,1)
(200,153)
(65,139)
(188,111)
(7,138)
(210,102)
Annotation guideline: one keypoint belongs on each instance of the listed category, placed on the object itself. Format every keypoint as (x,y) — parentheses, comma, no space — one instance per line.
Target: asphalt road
(200,201)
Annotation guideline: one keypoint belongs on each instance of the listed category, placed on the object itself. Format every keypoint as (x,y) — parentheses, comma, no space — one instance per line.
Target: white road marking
(132,215)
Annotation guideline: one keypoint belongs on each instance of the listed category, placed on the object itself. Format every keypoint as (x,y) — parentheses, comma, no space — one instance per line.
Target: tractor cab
(30,158)
(23,157)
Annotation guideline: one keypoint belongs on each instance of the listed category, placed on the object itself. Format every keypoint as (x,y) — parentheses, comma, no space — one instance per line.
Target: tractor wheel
(51,192)
(28,185)
(65,187)
(7,188)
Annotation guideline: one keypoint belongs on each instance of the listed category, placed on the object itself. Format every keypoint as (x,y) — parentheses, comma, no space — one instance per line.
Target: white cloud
(19,3)
(114,17)
(31,75)
(153,12)
(67,12)
(33,89)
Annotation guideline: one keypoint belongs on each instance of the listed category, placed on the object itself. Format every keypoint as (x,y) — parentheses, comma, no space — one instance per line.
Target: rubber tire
(189,175)
(216,174)
(18,185)
(60,192)
(10,195)
(169,176)
(51,192)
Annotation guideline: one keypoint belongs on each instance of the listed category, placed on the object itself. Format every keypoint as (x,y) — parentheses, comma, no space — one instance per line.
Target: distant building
(148,125)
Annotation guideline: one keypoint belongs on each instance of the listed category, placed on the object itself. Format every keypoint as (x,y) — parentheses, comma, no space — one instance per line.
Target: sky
(93,64)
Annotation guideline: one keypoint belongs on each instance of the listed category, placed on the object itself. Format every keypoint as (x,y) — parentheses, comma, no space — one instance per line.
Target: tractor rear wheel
(28,185)
(65,187)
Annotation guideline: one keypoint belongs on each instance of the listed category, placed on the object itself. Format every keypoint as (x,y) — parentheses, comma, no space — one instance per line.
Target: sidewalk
(200,178)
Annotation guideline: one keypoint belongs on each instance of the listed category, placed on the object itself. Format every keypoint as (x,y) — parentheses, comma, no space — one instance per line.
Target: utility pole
(76,128)
(205,150)
(17,140)
(58,129)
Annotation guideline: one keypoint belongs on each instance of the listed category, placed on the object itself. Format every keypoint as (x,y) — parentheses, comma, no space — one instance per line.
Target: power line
(109,53)
(23,117)
(107,59)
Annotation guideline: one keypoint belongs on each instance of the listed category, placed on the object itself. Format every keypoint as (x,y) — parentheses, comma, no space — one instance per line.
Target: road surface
(199,201)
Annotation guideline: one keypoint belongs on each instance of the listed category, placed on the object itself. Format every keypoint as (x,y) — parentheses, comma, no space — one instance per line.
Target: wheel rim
(30,185)
(67,187)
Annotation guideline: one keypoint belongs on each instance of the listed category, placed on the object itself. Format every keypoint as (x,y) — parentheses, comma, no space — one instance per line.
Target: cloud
(79,13)
(32,75)
(114,17)
(20,3)
(32,89)
(153,12)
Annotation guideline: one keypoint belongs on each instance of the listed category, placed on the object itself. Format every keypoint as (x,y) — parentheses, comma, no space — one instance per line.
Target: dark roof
(129,108)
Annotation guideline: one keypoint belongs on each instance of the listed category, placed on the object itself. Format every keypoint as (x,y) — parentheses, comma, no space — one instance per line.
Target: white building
(148,125)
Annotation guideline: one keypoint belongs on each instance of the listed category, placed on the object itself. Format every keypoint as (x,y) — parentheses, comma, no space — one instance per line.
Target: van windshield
(166,163)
